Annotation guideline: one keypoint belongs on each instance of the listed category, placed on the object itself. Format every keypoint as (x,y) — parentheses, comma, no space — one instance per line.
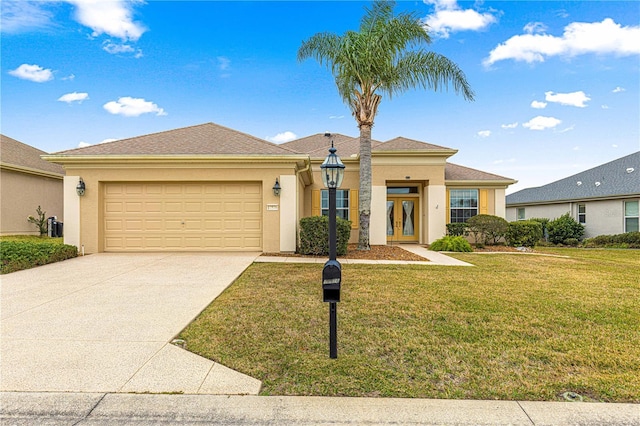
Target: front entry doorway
(402,219)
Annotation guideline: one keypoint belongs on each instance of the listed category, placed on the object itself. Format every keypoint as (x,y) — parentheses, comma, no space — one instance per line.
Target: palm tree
(385,57)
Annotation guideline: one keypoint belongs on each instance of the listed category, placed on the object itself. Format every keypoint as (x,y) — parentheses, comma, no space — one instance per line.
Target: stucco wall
(21,194)
(603,217)
(91,217)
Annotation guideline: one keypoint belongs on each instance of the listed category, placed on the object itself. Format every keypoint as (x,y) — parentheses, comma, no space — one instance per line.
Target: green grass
(515,327)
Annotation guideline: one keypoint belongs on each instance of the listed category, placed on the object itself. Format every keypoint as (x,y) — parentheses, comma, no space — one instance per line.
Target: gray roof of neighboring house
(614,179)
(205,139)
(16,153)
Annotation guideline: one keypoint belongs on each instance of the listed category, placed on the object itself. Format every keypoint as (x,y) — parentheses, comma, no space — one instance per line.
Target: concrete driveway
(104,323)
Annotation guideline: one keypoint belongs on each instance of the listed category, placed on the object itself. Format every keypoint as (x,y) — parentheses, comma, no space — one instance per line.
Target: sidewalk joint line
(525,413)
(90,411)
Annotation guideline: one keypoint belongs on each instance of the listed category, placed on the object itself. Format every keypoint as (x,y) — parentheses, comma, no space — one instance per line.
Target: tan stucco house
(26,182)
(208,187)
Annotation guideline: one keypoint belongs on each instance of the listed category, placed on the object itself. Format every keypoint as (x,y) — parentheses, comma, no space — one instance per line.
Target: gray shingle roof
(403,144)
(617,178)
(205,139)
(16,153)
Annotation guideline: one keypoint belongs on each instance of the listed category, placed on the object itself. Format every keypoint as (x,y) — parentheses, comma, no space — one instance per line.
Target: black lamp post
(332,171)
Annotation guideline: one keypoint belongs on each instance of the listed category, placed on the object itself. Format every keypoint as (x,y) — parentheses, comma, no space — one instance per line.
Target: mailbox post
(332,171)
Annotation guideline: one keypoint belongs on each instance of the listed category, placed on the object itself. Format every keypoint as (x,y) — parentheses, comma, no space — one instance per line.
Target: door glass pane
(390,205)
(407,218)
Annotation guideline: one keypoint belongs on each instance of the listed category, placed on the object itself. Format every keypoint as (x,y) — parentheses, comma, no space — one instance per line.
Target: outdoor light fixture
(80,188)
(277,188)
(332,171)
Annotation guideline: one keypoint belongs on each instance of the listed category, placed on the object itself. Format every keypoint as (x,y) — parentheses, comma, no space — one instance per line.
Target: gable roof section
(607,180)
(317,146)
(22,157)
(455,172)
(203,139)
(405,144)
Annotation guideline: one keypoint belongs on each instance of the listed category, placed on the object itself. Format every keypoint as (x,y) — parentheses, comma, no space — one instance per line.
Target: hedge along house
(208,187)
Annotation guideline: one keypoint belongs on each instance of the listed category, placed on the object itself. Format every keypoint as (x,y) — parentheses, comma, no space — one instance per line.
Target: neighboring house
(208,187)
(26,182)
(604,199)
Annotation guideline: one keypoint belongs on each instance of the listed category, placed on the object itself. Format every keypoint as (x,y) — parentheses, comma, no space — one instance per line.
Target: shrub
(17,255)
(563,228)
(40,222)
(524,233)
(573,242)
(449,243)
(457,229)
(314,235)
(544,222)
(626,240)
(489,228)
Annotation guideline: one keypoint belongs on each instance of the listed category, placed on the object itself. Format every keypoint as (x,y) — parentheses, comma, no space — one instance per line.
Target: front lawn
(515,327)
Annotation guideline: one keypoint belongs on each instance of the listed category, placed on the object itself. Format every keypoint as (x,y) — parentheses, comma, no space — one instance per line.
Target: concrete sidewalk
(434,258)
(137,409)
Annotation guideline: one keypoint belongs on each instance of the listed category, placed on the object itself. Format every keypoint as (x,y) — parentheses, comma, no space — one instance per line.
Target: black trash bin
(51,228)
(59,229)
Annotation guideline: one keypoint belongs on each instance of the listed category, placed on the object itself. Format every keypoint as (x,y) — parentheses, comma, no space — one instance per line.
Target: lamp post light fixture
(80,188)
(276,188)
(332,171)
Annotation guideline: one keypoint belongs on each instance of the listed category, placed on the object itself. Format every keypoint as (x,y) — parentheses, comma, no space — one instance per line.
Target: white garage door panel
(182,216)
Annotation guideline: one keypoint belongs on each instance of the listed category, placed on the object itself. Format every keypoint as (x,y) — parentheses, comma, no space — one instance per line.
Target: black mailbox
(331,278)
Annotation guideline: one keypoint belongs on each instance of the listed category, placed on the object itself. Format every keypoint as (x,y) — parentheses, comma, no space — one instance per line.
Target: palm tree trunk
(364,199)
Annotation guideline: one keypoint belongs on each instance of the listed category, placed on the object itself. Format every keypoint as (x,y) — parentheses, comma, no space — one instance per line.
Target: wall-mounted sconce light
(80,188)
(276,188)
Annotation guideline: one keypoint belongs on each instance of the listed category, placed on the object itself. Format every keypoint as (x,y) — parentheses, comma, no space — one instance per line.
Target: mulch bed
(376,253)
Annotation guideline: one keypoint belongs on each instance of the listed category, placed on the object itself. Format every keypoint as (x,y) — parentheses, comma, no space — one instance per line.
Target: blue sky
(556,83)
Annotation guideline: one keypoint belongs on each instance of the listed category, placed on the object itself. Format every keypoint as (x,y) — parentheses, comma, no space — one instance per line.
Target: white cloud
(568,129)
(510,160)
(85,144)
(510,126)
(579,38)
(604,106)
(541,123)
(576,148)
(114,18)
(223,63)
(538,105)
(535,27)
(70,77)
(74,97)
(614,146)
(22,15)
(484,133)
(32,73)
(336,117)
(449,17)
(282,137)
(576,99)
(120,48)
(133,107)
(619,89)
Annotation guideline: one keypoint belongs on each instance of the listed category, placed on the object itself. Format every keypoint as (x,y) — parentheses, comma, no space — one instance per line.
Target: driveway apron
(104,323)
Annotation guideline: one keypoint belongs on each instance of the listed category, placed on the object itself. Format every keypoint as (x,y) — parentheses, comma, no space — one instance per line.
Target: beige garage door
(182,216)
